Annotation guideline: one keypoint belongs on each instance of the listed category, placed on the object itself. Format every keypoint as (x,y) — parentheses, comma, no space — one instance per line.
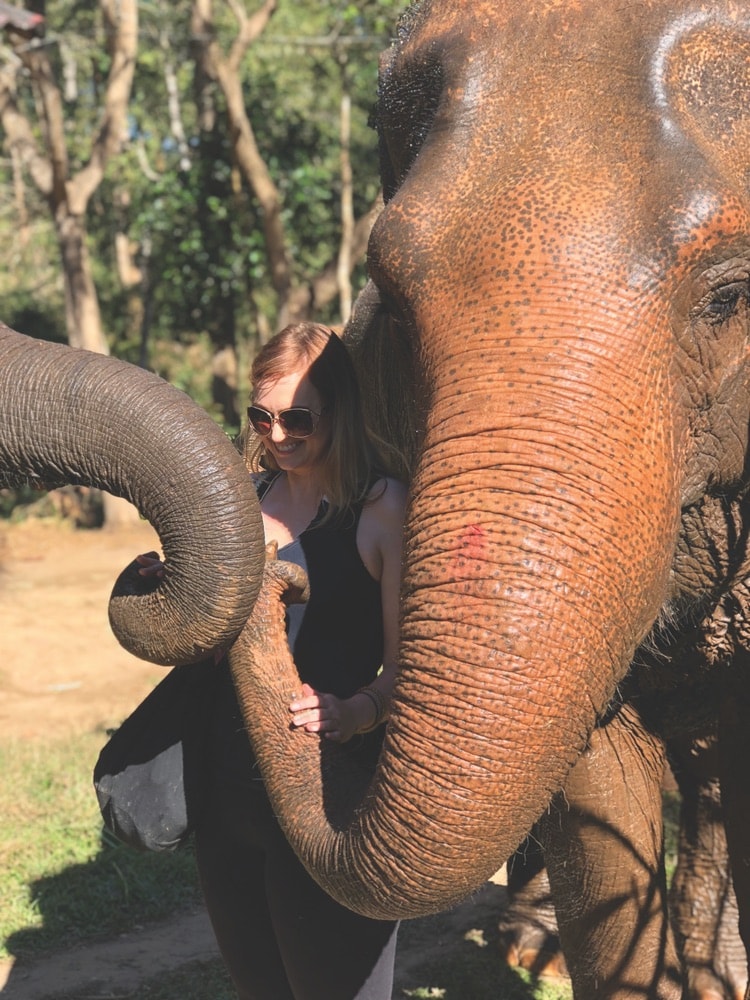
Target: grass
(194,981)
(64,882)
(465,966)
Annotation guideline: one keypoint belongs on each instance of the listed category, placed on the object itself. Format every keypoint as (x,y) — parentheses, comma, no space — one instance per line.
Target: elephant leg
(603,841)
(734,753)
(702,900)
(528,926)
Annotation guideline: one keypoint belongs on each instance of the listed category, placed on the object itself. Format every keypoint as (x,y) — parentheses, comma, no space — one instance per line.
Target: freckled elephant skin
(563,260)
(71,416)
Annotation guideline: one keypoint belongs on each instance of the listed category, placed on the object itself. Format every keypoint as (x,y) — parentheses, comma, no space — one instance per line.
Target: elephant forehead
(702,81)
(432,28)
(490,172)
(599,76)
(537,242)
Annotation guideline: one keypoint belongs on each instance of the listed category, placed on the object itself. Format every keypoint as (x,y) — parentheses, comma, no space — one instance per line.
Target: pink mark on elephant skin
(470,550)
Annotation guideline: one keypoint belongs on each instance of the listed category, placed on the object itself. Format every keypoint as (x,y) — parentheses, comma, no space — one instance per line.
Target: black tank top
(336,639)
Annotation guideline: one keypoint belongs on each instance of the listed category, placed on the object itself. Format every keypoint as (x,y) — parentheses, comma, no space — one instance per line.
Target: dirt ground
(63,671)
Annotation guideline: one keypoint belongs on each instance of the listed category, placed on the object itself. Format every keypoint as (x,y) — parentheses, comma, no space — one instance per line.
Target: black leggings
(281,936)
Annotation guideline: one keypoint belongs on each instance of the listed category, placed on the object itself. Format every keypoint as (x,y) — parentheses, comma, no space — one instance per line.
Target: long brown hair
(351,461)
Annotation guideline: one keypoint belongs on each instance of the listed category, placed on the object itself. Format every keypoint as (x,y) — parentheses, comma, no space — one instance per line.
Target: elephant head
(69,416)
(562,267)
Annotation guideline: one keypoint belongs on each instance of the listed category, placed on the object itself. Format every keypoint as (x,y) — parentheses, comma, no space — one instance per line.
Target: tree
(294,301)
(39,142)
(258,228)
(233,202)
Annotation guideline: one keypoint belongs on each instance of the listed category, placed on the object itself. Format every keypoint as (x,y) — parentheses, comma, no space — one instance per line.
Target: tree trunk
(82,315)
(344,269)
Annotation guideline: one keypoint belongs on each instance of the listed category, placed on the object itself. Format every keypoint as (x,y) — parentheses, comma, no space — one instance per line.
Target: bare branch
(69,72)
(305,301)
(36,59)
(256,173)
(344,268)
(173,102)
(121,21)
(143,162)
(250,29)
(248,156)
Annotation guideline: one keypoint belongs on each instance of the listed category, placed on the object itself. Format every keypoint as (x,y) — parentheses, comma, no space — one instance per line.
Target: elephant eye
(725,301)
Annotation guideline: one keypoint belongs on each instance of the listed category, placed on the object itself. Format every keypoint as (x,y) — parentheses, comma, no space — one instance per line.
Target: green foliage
(10,499)
(196,228)
(30,288)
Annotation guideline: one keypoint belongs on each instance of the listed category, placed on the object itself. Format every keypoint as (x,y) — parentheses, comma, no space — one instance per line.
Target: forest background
(181,178)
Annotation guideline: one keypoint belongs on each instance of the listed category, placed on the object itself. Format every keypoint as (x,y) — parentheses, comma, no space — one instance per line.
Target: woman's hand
(325,715)
(150,564)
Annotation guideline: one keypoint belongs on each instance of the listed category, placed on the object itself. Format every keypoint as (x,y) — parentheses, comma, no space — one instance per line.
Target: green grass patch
(64,882)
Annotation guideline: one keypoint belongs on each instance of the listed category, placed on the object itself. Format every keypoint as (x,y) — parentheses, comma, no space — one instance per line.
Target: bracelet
(381,706)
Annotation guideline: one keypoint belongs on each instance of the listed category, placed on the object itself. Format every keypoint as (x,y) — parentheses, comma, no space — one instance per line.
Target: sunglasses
(296,422)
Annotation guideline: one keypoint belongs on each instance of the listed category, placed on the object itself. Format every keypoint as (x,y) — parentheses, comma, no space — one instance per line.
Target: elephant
(555,334)
(557,324)
(702,901)
(74,417)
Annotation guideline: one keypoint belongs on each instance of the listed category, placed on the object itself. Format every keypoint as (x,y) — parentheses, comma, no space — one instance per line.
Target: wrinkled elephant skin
(69,416)
(561,272)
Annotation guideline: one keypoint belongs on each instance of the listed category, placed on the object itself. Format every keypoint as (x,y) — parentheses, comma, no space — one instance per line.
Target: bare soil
(63,672)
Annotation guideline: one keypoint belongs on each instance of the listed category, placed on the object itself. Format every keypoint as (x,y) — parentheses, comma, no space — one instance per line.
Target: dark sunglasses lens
(297,422)
(261,420)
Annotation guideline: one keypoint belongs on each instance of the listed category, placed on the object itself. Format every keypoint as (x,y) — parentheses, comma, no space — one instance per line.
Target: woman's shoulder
(386,499)
(381,524)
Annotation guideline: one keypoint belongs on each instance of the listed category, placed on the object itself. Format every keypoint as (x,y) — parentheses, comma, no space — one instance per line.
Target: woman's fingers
(317,714)
(309,699)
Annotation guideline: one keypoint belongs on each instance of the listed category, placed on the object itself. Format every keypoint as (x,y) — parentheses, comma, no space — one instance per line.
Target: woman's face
(294,455)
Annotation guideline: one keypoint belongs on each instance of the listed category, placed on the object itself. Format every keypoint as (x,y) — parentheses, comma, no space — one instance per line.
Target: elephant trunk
(73,417)
(533,568)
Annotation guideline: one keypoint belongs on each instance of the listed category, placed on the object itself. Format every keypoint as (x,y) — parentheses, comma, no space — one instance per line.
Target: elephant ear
(707,82)
(382,355)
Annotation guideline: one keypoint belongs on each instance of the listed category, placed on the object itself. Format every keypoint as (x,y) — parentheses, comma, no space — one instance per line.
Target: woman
(328,507)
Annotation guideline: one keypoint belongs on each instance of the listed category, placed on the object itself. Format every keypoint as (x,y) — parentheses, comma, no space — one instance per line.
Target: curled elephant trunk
(533,567)
(515,634)
(73,417)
